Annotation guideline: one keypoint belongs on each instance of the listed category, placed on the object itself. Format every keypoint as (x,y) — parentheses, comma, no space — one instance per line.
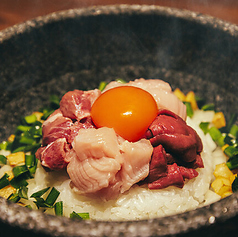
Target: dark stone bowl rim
(17,216)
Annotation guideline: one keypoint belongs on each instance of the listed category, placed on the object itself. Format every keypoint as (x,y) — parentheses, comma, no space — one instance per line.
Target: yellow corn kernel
(221,185)
(232,177)
(221,170)
(11,138)
(16,158)
(38,115)
(219,120)
(226,194)
(224,189)
(190,97)
(7,191)
(224,147)
(10,175)
(179,94)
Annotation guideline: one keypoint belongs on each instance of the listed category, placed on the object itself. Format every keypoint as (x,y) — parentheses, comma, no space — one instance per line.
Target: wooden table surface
(16,11)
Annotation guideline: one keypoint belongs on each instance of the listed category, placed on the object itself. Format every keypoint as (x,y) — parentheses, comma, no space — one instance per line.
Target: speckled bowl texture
(79,48)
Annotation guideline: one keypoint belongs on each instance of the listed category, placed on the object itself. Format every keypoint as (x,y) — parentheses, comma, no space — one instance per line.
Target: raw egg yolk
(128,110)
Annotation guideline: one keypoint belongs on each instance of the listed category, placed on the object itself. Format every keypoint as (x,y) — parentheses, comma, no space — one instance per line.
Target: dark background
(16,11)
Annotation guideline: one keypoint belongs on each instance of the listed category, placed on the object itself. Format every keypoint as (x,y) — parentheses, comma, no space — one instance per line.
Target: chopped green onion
(58,208)
(3,160)
(207,107)
(102,85)
(3,145)
(30,119)
(19,170)
(14,197)
(4,181)
(22,192)
(80,216)
(232,163)
(19,182)
(231,151)
(30,160)
(204,126)
(40,193)
(23,128)
(231,121)
(234,131)
(121,80)
(26,140)
(189,109)
(29,206)
(234,185)
(53,195)
(215,133)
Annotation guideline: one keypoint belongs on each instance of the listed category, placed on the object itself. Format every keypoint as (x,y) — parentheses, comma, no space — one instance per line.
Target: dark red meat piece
(175,177)
(177,138)
(53,155)
(176,154)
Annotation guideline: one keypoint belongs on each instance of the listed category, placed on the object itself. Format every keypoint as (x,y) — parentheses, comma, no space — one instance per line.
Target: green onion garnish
(40,193)
(207,107)
(102,85)
(232,163)
(19,170)
(53,195)
(3,160)
(4,181)
(234,131)
(30,119)
(234,185)
(14,197)
(215,133)
(121,80)
(23,192)
(204,126)
(58,208)
(80,216)
(189,109)
(231,151)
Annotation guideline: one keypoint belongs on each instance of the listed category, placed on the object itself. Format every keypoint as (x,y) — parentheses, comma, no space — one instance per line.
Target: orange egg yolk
(128,110)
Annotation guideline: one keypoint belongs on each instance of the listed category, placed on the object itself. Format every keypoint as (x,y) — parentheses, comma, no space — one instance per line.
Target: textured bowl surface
(79,48)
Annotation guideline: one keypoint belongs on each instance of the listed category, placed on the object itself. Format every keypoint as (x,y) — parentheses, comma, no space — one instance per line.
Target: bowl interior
(79,48)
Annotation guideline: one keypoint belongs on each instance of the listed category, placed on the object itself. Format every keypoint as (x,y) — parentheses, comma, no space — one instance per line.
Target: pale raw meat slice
(136,158)
(97,159)
(160,90)
(91,175)
(106,165)
(96,143)
(77,104)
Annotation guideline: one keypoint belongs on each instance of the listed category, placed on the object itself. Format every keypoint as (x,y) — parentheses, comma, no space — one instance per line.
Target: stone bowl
(79,48)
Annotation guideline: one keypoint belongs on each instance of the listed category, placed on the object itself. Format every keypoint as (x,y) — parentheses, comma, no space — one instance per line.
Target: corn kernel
(38,115)
(219,120)
(179,94)
(7,191)
(232,177)
(221,170)
(226,194)
(11,138)
(190,97)
(221,185)
(224,189)
(16,158)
